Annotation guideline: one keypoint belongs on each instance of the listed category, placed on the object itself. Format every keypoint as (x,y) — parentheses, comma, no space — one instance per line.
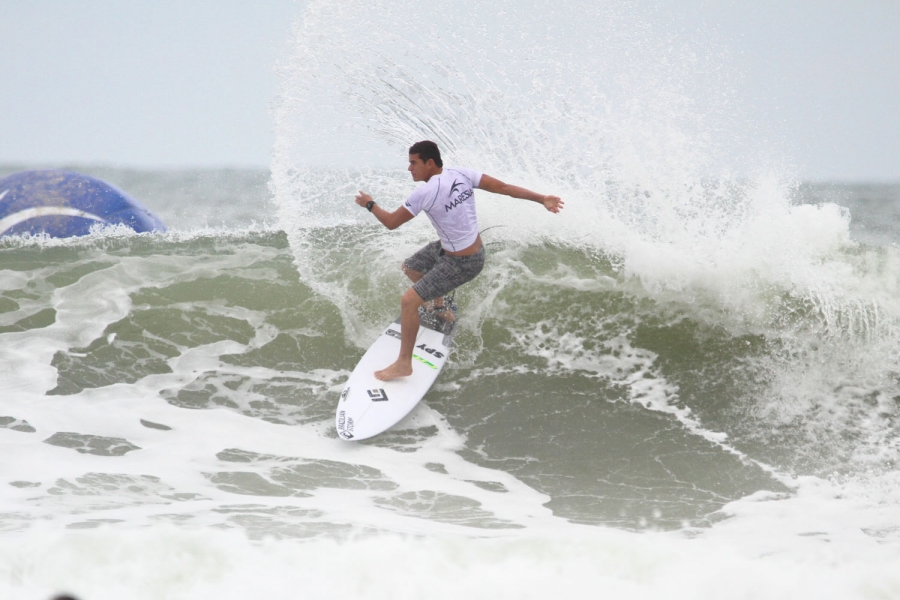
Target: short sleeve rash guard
(448,200)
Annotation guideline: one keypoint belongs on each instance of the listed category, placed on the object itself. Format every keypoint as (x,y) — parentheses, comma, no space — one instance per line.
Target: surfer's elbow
(395,219)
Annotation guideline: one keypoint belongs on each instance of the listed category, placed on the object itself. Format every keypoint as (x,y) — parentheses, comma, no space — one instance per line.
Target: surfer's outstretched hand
(553,203)
(362,198)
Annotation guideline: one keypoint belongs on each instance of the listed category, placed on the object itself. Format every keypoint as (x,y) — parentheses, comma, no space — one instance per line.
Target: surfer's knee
(411,300)
(411,273)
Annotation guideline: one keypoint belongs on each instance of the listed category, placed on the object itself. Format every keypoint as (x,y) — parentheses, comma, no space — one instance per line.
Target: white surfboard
(368,406)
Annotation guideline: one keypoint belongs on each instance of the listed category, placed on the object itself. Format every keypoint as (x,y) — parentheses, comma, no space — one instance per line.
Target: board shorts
(443,272)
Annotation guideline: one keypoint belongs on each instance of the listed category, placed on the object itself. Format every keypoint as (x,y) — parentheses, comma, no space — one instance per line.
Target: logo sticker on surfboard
(378,395)
(345,425)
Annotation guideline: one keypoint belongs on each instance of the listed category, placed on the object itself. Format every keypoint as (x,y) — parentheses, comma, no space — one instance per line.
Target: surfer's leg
(413,275)
(442,310)
(448,273)
(422,261)
(438,306)
(409,329)
(415,267)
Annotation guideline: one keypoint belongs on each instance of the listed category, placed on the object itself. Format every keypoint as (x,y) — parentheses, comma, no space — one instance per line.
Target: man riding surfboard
(458,255)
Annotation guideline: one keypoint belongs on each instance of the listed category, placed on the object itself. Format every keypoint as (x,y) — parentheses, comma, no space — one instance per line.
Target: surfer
(458,256)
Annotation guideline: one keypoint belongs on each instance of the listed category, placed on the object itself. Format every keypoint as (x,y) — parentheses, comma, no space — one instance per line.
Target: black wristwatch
(369,205)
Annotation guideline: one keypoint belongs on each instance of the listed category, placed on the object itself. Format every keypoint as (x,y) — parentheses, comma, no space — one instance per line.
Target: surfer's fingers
(553,203)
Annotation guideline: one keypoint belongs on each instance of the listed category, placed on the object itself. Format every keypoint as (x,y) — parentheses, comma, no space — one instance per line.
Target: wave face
(726,300)
(690,371)
(178,390)
(624,405)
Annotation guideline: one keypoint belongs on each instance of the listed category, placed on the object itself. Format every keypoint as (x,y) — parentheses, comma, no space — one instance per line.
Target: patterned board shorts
(443,272)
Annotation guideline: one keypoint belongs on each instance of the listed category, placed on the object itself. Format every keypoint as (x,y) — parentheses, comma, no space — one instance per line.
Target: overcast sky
(153,83)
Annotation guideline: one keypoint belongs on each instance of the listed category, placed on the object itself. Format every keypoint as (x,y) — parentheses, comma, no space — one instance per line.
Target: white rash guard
(449,201)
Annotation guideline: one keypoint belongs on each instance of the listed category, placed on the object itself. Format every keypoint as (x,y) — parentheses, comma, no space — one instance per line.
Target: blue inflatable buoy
(65,204)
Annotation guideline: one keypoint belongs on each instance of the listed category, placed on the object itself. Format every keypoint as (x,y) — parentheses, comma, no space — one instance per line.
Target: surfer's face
(421,171)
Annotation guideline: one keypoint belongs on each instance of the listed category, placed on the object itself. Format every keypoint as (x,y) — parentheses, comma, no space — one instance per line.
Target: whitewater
(682,386)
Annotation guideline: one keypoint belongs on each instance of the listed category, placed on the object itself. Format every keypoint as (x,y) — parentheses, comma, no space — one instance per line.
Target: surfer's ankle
(445,314)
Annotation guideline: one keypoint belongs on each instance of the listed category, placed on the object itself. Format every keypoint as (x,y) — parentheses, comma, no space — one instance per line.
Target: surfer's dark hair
(427,151)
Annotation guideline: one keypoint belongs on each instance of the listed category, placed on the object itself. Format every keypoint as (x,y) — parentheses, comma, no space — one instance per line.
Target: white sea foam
(173,519)
(169,562)
(218,502)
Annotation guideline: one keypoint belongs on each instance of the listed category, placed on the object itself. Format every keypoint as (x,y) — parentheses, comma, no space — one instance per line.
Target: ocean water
(684,385)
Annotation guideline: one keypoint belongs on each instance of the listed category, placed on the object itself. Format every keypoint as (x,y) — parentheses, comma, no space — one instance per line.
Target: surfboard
(368,406)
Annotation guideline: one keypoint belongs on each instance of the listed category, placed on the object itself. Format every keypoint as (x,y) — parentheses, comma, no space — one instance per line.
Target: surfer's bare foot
(442,312)
(395,371)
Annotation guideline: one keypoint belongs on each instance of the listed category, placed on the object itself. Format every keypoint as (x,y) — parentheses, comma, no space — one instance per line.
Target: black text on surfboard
(431,351)
(345,425)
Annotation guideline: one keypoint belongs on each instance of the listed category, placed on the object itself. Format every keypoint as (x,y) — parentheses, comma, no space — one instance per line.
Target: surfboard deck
(368,406)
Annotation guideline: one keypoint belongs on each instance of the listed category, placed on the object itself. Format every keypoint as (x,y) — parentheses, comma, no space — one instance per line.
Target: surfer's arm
(391,220)
(491,184)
